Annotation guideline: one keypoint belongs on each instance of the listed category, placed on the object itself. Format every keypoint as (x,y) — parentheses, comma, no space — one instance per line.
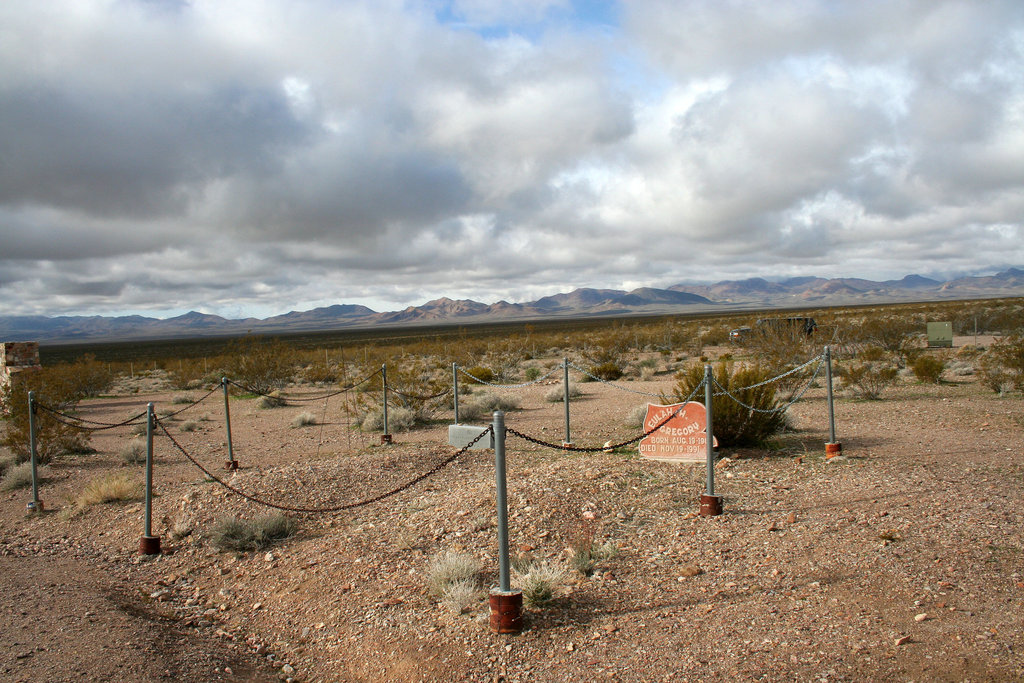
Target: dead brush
(541,582)
(240,535)
(113,488)
(454,580)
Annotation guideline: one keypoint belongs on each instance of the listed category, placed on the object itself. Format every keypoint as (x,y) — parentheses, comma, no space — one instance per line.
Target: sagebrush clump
(735,424)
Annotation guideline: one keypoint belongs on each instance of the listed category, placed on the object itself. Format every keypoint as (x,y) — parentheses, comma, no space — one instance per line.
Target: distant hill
(752,292)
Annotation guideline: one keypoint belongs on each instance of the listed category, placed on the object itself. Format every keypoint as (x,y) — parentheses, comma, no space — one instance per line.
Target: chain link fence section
(324,510)
(416,397)
(780,408)
(798,368)
(512,386)
(613,384)
(80,423)
(305,399)
(609,447)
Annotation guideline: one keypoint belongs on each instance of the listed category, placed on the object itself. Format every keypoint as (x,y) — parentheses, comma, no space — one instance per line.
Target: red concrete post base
(149,545)
(710,506)
(231,465)
(568,444)
(506,611)
(386,439)
(833,449)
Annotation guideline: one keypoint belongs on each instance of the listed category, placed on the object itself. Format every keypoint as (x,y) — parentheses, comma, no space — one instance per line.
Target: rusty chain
(326,510)
(610,447)
(305,399)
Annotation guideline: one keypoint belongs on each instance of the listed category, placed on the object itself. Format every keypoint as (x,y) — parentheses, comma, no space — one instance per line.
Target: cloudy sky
(250,157)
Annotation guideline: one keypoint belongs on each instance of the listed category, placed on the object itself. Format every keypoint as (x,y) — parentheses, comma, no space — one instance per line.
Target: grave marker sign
(682,439)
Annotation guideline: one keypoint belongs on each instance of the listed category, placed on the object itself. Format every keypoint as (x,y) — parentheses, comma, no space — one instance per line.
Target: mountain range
(754,293)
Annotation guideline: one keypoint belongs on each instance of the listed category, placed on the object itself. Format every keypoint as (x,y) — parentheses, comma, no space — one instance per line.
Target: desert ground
(901,559)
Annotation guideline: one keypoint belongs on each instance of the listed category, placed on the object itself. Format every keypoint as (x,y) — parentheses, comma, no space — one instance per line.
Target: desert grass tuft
(17,477)
(134,452)
(232,533)
(304,420)
(540,582)
(448,568)
(112,488)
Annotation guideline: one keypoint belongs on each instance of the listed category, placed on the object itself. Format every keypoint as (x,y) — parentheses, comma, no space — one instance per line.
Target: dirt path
(74,618)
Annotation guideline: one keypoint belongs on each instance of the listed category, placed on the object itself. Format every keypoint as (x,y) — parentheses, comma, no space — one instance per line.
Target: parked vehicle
(739,334)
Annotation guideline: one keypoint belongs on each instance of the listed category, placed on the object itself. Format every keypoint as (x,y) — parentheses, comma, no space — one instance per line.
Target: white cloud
(163,155)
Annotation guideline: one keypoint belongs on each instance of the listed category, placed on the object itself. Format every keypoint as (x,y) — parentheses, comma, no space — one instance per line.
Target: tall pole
(833,447)
(386,436)
(506,604)
(36,505)
(455,389)
(502,500)
(565,392)
(149,544)
(230,464)
(709,395)
(710,504)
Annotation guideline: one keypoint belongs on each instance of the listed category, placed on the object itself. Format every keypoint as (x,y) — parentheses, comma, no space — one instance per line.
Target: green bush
(478,372)
(52,388)
(609,371)
(733,424)
(928,369)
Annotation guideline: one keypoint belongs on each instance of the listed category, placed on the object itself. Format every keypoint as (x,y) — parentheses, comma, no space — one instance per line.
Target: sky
(251,157)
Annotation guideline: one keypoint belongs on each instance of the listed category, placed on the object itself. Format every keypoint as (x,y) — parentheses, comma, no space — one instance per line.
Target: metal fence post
(833,447)
(455,389)
(506,604)
(710,504)
(386,436)
(565,391)
(35,505)
(149,544)
(230,464)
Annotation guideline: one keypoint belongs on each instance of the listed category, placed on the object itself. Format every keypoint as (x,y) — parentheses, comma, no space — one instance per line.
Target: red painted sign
(682,438)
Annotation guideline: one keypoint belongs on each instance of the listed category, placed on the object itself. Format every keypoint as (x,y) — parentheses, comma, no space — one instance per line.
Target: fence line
(324,510)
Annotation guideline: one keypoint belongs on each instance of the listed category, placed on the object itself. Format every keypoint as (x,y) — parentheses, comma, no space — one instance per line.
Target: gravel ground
(900,560)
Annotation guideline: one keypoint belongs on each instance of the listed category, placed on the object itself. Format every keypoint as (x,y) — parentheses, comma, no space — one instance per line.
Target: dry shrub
(399,419)
(232,533)
(449,568)
(304,420)
(260,365)
(134,452)
(18,477)
(271,400)
(557,394)
(1002,366)
(478,372)
(540,582)
(928,369)
(112,488)
(867,380)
